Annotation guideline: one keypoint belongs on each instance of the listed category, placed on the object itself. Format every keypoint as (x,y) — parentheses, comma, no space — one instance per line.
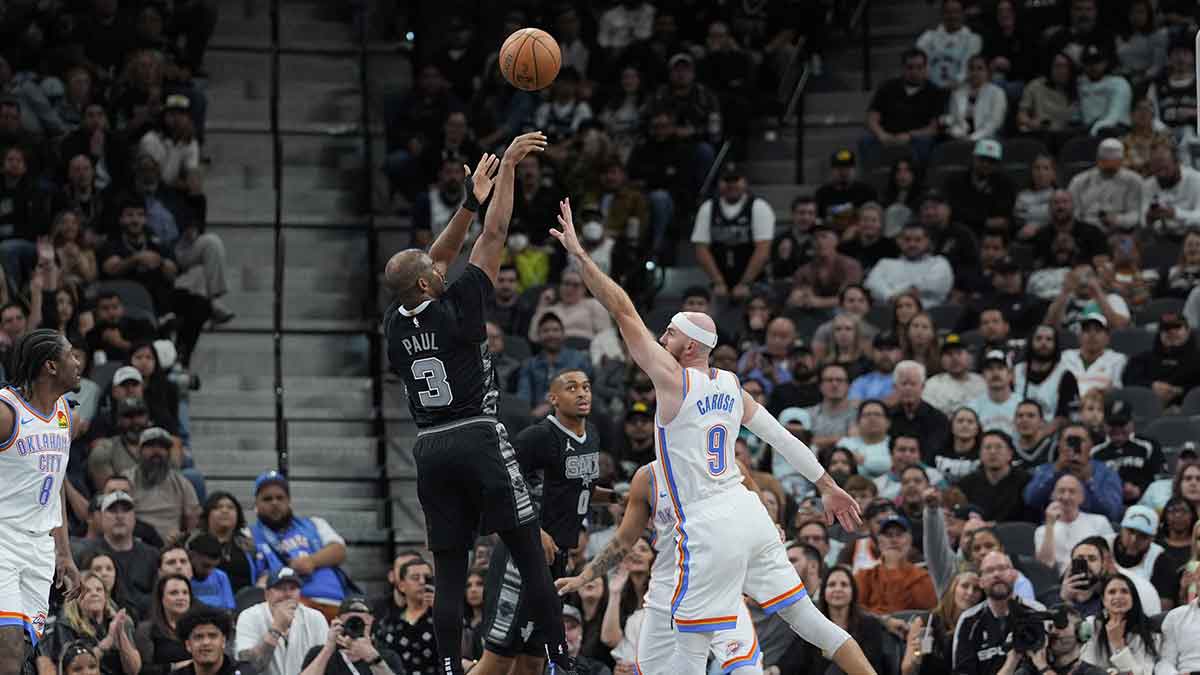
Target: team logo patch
(39,623)
(733,648)
(62,420)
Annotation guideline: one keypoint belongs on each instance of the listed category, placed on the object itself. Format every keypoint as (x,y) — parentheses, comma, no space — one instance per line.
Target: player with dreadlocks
(34,447)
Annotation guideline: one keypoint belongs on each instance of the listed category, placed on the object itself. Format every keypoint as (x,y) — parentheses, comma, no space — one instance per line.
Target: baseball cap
(116,497)
(177,102)
(637,409)
(1141,519)
(1118,413)
(794,414)
(952,341)
(986,147)
(877,507)
(1006,265)
(895,520)
(131,405)
(1093,54)
(994,356)
(964,511)
(592,231)
(572,612)
(886,339)
(933,195)
(283,575)
(205,544)
(268,478)
(731,171)
(355,603)
(1110,154)
(681,57)
(1170,320)
(1096,317)
(125,374)
(156,434)
(842,158)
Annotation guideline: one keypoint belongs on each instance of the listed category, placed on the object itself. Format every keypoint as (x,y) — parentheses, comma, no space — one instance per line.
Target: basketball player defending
(723,533)
(467,473)
(33,461)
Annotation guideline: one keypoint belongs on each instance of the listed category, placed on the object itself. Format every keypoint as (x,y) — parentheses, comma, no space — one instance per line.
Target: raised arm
(478,184)
(664,371)
(637,514)
(489,247)
(838,503)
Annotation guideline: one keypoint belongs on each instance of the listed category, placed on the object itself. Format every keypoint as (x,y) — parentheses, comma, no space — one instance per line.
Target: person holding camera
(1091,563)
(1061,653)
(983,638)
(1124,638)
(350,639)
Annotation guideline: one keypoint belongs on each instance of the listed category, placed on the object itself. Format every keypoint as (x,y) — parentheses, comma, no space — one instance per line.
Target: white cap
(986,147)
(126,373)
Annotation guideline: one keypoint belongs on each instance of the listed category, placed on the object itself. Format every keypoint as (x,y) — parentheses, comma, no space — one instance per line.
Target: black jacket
(1179,366)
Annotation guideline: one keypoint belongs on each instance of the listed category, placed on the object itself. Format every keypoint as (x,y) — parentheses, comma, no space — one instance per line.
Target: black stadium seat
(946,317)
(1076,155)
(1191,403)
(1132,341)
(1039,575)
(1173,431)
(134,297)
(1017,537)
(1145,403)
(1154,309)
(953,153)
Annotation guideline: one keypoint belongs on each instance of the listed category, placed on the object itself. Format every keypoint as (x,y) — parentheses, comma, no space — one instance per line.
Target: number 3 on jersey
(717,436)
(433,371)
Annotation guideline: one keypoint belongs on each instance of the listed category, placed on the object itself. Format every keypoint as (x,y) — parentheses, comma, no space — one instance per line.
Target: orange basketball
(529,59)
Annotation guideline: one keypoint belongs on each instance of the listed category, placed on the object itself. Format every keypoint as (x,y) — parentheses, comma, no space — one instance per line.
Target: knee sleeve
(814,627)
(691,653)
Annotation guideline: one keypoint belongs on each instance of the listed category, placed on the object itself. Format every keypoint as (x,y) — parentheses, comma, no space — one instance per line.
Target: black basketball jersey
(440,349)
(560,469)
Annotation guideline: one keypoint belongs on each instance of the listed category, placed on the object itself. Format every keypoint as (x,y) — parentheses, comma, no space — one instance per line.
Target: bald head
(688,336)
(412,276)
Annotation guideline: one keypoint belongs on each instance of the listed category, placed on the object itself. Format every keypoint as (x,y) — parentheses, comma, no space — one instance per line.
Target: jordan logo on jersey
(62,420)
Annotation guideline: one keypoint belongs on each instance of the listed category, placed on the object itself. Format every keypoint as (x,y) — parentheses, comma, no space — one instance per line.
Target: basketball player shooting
(722,530)
(467,474)
(34,546)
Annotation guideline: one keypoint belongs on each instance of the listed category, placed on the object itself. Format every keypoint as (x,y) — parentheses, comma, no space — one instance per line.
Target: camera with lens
(1028,626)
(354,627)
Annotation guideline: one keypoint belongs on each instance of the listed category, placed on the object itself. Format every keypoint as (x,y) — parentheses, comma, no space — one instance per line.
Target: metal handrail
(280,255)
(862,14)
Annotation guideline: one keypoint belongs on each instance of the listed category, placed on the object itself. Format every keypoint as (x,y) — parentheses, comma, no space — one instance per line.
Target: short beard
(1004,595)
(154,471)
(276,524)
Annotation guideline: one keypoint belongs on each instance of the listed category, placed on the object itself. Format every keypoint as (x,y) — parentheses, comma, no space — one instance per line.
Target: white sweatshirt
(931,275)
(1184,197)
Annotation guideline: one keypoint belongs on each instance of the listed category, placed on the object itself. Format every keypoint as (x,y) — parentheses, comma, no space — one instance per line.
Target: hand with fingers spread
(839,505)
(534,141)
(566,234)
(479,181)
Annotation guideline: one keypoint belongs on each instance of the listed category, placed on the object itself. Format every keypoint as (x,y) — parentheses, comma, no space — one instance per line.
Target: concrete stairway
(332,433)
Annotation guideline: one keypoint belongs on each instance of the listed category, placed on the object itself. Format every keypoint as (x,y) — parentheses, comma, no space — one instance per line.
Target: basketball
(529,59)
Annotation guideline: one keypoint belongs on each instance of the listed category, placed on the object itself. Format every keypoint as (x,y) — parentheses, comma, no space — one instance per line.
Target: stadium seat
(1159,255)
(880,316)
(1173,430)
(807,321)
(1023,255)
(1019,154)
(583,344)
(946,317)
(953,153)
(1132,341)
(1068,340)
(1153,310)
(1039,575)
(1145,403)
(248,597)
(103,374)
(1017,537)
(1050,596)
(889,155)
(134,296)
(517,347)
(1191,403)
(660,316)
(973,339)
(1078,154)
(940,176)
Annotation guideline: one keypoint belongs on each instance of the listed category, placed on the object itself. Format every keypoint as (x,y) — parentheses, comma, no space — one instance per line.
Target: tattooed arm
(637,513)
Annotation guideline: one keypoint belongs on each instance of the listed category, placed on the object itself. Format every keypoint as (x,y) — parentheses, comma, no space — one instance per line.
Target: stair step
(309,355)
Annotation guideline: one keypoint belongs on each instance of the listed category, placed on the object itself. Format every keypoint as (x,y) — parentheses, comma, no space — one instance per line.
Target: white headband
(685,326)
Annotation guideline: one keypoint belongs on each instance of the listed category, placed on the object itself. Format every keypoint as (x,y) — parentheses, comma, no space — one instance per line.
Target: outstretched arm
(838,504)
(478,184)
(489,247)
(637,513)
(663,369)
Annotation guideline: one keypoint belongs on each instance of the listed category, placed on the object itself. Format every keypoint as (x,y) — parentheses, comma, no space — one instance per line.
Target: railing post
(866,45)
(281,441)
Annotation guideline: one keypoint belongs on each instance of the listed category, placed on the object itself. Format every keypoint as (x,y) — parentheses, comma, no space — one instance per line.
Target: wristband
(375,661)
(470,203)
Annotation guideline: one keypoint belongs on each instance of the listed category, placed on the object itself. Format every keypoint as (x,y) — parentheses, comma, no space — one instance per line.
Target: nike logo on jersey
(26,420)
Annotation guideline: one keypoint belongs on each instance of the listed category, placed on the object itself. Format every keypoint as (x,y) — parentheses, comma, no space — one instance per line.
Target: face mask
(518,242)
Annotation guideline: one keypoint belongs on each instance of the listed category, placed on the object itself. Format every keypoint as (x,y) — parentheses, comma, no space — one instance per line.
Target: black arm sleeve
(470,295)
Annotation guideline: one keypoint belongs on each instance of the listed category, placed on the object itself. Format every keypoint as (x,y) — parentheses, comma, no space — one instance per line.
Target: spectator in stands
(1142,137)
(904,111)
(1171,194)
(204,632)
(120,453)
(733,242)
(23,219)
(1142,46)
(623,24)
(76,253)
(81,194)
(1173,93)
(136,256)
(108,150)
(1083,298)
(559,118)
(356,651)
(435,206)
(996,486)
(1180,652)
(962,593)
(161,651)
(962,454)
(864,240)
(1087,240)
(794,247)
(840,601)
(848,348)
(983,192)
(878,383)
(1124,635)
(838,199)
(694,107)
(977,107)
(853,301)
(833,416)
(1179,518)
(919,340)
(161,396)
(533,380)
(1136,460)
(952,240)
(506,366)
(116,332)
(1101,493)
(870,446)
(1184,275)
(38,117)
(1081,31)
(979,639)
(662,166)
(623,113)
(1094,365)
(949,47)
(801,389)
(905,451)
(770,364)
(895,584)
(307,546)
(173,558)
(102,565)
(404,620)
(175,148)
(1031,211)
(929,275)
(998,406)
(1133,547)
(1011,49)
(275,635)
(957,384)
(1033,439)
(166,499)
(222,517)
(92,616)
(581,316)
(901,198)
(818,283)
(913,416)
(210,584)
(1108,195)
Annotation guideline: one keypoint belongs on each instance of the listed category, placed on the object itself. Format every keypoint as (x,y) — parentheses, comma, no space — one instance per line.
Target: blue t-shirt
(215,591)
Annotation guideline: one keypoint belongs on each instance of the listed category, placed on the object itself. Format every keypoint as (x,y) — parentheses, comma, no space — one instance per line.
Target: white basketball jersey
(696,449)
(662,513)
(33,462)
